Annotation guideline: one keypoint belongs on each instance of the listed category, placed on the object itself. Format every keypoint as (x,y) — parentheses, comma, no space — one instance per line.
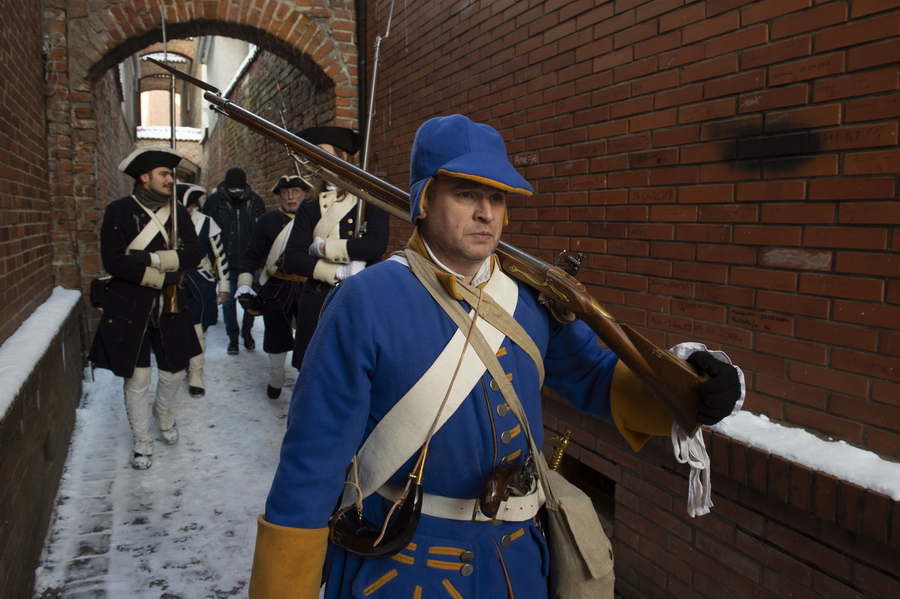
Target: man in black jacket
(136,250)
(235,208)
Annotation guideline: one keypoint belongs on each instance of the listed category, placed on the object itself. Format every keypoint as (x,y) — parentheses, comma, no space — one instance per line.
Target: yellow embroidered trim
(404,559)
(517,534)
(453,592)
(380,582)
(512,456)
(446,551)
(509,376)
(442,565)
(513,432)
(417,593)
(501,352)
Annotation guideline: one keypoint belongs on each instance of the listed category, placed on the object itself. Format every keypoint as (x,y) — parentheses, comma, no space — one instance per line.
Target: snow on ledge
(837,458)
(20,354)
(165,132)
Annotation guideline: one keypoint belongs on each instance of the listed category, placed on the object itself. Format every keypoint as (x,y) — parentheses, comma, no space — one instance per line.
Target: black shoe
(197,391)
(249,343)
(233,347)
(273,392)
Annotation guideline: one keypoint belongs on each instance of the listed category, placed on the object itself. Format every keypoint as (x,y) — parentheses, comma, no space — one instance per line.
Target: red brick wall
(729,169)
(86,41)
(26,275)
(34,436)
(306,103)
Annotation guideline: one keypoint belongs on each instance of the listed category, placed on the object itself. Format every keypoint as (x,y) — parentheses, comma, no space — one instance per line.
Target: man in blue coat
(389,371)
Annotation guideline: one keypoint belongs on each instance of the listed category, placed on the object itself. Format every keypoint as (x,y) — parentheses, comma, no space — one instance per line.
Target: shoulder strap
(331,217)
(276,250)
(405,427)
(156,225)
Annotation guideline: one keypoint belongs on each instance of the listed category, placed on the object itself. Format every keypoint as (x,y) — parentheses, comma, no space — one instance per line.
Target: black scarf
(150,199)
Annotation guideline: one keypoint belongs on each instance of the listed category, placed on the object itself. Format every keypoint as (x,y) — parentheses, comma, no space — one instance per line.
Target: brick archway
(84,44)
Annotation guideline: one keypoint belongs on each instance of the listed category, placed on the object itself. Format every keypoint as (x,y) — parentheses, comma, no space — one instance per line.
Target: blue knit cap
(454,146)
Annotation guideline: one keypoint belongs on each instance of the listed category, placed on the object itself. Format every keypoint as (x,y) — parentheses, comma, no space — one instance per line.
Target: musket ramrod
(671,380)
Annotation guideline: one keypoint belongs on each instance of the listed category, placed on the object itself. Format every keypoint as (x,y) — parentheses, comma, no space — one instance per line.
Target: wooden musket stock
(671,380)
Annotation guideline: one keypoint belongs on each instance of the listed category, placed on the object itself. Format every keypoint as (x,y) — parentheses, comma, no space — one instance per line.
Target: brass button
(495,386)
(505,437)
(467,570)
(349,221)
(467,557)
(496,522)
(502,410)
(350,233)
(505,540)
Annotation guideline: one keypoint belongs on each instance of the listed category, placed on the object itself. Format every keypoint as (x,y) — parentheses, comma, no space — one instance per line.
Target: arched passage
(315,43)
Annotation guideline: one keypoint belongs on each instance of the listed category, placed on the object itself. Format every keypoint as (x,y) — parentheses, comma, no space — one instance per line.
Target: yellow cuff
(288,562)
(637,413)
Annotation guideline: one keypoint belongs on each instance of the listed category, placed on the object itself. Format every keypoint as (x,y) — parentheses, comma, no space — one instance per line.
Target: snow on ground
(185,528)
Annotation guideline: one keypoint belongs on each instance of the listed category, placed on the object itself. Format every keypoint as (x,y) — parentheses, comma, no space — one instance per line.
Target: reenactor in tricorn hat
(324,246)
(279,292)
(136,250)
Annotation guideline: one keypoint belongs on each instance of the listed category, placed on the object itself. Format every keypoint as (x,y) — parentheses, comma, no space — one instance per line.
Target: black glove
(719,394)
(142,256)
(173,278)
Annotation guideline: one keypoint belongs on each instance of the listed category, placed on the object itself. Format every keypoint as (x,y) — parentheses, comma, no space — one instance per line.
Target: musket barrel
(671,380)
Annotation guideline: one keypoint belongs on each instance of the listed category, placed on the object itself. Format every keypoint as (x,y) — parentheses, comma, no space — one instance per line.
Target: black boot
(273,392)
(249,343)
(197,391)
(233,347)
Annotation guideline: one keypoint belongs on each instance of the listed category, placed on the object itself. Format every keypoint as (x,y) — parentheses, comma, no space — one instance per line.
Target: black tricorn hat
(342,138)
(288,181)
(188,193)
(144,160)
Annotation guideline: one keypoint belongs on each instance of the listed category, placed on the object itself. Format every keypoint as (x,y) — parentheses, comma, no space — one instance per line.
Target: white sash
(333,215)
(156,225)
(404,428)
(276,250)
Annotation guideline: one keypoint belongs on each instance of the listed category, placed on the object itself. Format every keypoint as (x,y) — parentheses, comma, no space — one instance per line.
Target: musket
(671,380)
(360,206)
(170,298)
(284,124)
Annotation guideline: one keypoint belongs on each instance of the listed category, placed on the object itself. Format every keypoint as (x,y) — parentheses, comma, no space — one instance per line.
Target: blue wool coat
(379,333)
